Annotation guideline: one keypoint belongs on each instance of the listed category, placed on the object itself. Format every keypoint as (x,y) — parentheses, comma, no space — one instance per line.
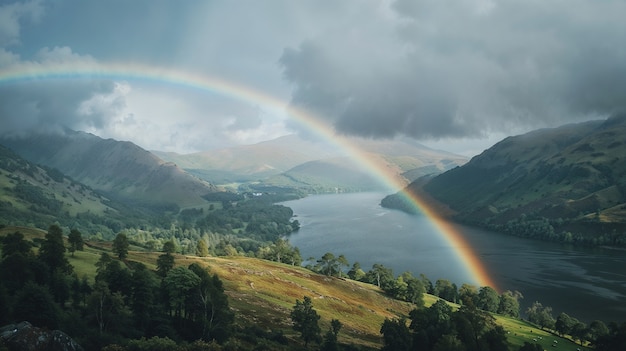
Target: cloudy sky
(453,74)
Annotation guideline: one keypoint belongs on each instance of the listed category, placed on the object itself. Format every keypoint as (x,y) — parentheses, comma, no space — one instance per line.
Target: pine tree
(305,320)
(120,246)
(52,251)
(75,239)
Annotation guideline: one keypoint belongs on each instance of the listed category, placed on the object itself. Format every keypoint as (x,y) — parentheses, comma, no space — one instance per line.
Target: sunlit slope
(576,173)
(120,169)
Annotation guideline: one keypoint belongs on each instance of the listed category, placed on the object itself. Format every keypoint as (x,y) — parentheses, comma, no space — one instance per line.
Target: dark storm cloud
(58,103)
(49,104)
(466,68)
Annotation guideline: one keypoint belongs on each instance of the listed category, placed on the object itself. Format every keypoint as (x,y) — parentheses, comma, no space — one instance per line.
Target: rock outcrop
(24,336)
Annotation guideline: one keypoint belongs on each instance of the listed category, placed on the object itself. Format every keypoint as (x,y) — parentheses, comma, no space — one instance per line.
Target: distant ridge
(116,168)
(292,161)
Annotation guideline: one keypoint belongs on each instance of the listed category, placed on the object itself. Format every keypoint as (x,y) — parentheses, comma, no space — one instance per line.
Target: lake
(584,283)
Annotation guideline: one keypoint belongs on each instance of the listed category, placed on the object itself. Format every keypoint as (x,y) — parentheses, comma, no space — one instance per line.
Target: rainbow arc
(29,72)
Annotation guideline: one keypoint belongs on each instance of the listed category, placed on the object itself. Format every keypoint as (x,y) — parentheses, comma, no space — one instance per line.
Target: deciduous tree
(540,315)
(202,250)
(14,244)
(509,303)
(488,299)
(380,275)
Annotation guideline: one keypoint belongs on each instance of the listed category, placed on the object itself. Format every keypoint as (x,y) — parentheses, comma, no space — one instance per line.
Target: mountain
(566,183)
(328,175)
(292,161)
(118,169)
(250,162)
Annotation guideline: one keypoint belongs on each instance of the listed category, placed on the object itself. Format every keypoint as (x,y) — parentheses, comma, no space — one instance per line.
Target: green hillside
(43,194)
(566,184)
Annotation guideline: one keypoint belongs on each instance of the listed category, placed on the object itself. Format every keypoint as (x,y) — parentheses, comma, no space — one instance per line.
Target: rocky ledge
(24,336)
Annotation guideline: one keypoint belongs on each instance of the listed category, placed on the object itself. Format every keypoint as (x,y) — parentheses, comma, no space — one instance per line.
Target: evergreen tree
(75,240)
(52,251)
(34,303)
(356,272)
(165,263)
(169,247)
(396,335)
(120,246)
(143,299)
(305,320)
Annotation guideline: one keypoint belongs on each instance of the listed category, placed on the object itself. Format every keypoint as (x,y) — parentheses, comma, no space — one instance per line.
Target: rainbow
(28,72)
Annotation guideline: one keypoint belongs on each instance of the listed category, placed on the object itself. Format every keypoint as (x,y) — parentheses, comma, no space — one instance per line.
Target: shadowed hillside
(566,184)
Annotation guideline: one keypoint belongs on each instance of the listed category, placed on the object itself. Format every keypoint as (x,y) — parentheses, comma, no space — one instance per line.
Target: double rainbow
(127,72)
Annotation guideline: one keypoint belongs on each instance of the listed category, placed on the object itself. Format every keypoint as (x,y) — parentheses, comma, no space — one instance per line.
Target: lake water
(585,283)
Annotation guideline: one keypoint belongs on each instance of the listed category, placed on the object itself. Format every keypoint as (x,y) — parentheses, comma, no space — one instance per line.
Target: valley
(232,217)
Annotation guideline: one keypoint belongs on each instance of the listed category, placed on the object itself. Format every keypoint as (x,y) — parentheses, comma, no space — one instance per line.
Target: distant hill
(119,169)
(328,175)
(291,161)
(566,183)
(250,162)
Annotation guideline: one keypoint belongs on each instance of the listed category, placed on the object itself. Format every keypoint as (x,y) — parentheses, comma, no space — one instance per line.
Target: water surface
(585,283)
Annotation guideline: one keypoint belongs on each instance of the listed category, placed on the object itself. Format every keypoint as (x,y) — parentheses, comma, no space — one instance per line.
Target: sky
(457,75)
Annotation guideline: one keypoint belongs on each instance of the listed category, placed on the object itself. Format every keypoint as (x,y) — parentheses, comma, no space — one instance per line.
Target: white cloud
(11,16)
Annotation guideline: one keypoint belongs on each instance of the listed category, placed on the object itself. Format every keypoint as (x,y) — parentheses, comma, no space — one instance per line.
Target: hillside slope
(119,169)
(571,179)
(32,193)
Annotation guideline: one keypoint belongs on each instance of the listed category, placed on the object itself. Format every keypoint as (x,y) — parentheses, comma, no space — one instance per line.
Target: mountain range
(123,170)
(295,162)
(566,183)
